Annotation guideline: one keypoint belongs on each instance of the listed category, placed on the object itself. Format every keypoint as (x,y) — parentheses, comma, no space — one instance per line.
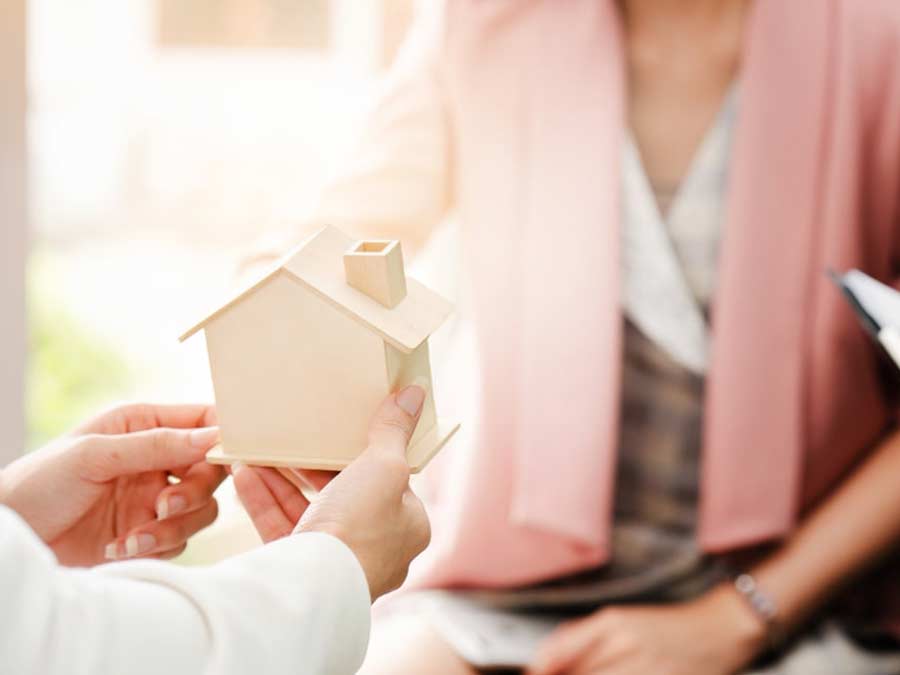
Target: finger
(264,510)
(601,663)
(185,416)
(614,652)
(106,457)
(291,500)
(607,661)
(143,416)
(194,490)
(416,506)
(179,473)
(159,537)
(395,420)
(564,647)
(317,480)
(297,478)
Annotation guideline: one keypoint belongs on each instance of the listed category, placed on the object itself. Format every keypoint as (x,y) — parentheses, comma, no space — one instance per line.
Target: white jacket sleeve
(299,606)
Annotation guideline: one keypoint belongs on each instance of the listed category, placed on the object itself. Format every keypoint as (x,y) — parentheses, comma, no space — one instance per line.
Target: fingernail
(169,506)
(138,544)
(204,438)
(112,551)
(237,467)
(411,399)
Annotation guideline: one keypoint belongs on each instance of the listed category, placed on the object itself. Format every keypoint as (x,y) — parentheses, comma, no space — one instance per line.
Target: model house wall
(292,373)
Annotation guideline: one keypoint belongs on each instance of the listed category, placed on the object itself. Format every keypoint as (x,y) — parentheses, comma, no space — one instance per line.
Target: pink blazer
(511,112)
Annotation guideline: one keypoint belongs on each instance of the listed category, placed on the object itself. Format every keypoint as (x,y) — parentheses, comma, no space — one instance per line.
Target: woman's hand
(713,635)
(369,505)
(106,490)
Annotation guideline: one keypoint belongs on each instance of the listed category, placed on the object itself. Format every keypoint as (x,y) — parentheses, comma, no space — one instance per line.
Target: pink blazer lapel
(754,435)
(568,294)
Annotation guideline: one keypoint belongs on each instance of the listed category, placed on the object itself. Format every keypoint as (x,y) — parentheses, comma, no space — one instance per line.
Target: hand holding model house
(302,357)
(369,506)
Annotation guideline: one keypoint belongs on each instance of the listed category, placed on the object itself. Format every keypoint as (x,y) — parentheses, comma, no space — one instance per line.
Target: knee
(408,645)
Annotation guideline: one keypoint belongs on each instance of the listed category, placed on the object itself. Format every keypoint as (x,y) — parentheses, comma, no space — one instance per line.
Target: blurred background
(164,138)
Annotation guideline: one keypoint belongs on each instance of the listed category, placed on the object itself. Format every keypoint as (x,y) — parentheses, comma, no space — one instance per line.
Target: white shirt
(299,605)
(669,262)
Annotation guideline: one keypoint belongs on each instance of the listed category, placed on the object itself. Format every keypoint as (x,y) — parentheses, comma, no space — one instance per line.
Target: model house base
(418,454)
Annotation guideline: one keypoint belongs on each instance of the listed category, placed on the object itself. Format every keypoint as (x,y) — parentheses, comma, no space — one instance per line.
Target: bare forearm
(852,529)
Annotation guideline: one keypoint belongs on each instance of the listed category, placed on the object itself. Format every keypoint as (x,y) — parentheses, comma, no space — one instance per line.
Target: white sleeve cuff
(300,604)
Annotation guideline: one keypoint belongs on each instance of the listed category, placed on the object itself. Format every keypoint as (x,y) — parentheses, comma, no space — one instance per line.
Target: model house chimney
(375,267)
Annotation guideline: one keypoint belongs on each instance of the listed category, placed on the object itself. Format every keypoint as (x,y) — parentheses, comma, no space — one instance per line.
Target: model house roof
(317,264)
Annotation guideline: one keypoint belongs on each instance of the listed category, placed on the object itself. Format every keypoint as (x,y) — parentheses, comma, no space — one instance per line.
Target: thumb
(107,457)
(395,420)
(562,648)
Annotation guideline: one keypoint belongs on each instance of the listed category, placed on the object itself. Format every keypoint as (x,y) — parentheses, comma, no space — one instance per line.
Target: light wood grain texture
(292,376)
(375,267)
(418,454)
(319,264)
(297,373)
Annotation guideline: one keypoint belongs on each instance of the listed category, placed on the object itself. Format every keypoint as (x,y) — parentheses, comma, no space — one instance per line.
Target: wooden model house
(301,359)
